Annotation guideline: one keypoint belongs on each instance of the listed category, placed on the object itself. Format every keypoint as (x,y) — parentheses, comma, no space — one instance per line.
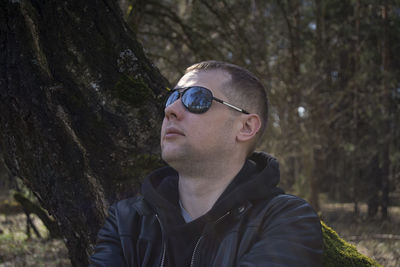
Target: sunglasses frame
(185,89)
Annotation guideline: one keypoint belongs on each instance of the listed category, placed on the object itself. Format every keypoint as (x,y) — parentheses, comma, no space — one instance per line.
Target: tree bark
(79,110)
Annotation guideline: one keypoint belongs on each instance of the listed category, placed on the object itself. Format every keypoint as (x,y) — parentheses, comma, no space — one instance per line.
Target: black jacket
(252,224)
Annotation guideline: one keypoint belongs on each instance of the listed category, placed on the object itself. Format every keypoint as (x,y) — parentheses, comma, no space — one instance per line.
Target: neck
(198,193)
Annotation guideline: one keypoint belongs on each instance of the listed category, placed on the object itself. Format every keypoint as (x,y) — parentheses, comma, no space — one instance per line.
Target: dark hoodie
(257,180)
(251,224)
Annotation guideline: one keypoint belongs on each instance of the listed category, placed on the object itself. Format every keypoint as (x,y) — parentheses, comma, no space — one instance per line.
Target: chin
(168,156)
(173,159)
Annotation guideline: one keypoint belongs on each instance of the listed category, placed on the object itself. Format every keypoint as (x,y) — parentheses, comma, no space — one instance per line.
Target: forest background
(81,101)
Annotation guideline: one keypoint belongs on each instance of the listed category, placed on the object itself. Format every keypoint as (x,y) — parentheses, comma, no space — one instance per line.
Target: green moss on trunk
(337,252)
(133,91)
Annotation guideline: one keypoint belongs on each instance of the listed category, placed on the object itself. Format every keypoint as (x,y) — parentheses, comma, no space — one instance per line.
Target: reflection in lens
(197,99)
(172,98)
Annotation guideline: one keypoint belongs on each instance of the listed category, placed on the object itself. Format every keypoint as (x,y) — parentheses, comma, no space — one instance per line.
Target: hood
(258,179)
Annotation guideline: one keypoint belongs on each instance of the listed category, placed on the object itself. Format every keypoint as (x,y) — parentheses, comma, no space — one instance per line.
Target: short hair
(248,92)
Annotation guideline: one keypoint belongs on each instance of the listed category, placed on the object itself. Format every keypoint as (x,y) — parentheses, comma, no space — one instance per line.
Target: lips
(172,131)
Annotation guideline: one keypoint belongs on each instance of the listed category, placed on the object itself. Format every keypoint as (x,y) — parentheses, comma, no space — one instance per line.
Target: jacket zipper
(195,250)
(201,237)
(163,257)
(162,262)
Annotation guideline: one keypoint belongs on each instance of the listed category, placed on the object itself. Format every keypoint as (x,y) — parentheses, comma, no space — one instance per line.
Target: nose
(174,110)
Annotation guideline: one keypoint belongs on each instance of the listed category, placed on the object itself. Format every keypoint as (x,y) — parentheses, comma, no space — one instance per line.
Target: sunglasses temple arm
(230,105)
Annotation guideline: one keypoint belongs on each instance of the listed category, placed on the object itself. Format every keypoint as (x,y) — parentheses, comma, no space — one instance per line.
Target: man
(217,204)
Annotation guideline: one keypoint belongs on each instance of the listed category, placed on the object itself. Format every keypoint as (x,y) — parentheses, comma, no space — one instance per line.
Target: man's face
(188,137)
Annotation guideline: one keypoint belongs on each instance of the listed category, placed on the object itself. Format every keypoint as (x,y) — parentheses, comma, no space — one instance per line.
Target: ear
(250,125)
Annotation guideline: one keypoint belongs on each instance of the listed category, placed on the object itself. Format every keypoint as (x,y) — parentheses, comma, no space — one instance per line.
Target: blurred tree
(323,64)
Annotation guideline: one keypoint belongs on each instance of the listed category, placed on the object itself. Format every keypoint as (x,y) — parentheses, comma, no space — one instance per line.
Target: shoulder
(292,218)
(287,209)
(286,201)
(132,204)
(127,212)
(288,234)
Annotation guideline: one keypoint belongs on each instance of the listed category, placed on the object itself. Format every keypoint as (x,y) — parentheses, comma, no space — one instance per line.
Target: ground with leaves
(16,249)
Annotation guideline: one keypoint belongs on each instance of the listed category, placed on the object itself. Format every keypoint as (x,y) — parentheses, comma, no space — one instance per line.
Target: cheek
(164,122)
(199,133)
(213,132)
(162,129)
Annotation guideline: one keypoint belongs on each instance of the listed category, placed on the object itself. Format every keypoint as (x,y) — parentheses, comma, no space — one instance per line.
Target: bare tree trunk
(356,173)
(317,153)
(79,110)
(291,15)
(387,121)
(373,172)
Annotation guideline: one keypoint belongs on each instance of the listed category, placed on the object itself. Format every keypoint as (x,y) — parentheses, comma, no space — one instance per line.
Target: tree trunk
(356,134)
(373,173)
(79,110)
(387,115)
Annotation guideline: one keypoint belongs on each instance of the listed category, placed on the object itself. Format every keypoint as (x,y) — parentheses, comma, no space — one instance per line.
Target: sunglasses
(197,99)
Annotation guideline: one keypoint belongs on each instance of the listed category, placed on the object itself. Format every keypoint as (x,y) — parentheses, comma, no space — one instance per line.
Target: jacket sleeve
(108,250)
(290,235)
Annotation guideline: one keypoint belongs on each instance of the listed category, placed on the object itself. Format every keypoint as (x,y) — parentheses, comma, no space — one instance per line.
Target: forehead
(211,79)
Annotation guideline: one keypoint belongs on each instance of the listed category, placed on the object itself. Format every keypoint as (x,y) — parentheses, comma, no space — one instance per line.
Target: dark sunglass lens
(172,98)
(197,99)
